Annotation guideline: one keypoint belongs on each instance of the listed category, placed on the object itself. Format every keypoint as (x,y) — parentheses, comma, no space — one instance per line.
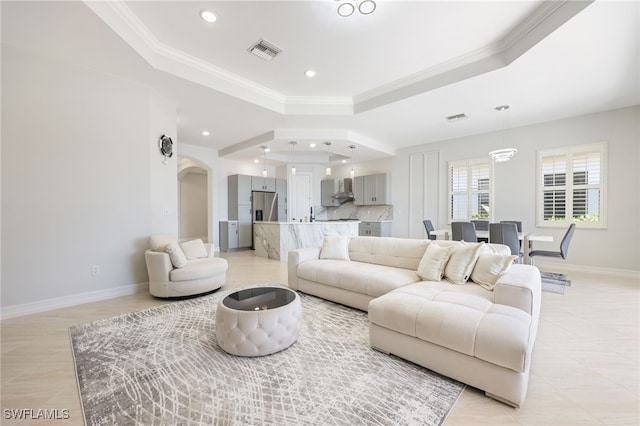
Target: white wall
(81,184)
(616,247)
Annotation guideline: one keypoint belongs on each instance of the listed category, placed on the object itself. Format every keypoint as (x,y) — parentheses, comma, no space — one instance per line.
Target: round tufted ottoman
(258,321)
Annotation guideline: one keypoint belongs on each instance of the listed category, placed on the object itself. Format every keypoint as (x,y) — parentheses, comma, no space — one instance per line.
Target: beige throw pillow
(194,249)
(461,263)
(335,247)
(433,262)
(176,255)
(489,268)
(160,242)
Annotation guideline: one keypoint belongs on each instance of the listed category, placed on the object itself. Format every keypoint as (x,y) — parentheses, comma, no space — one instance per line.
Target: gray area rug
(162,366)
(554,282)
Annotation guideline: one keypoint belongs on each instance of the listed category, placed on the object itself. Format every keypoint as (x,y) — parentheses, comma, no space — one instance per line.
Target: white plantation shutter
(469,190)
(571,186)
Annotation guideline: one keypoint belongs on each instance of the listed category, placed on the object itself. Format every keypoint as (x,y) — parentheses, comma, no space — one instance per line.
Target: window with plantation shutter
(469,190)
(571,186)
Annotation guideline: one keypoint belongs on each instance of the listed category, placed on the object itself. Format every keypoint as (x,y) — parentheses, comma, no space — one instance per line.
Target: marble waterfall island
(273,240)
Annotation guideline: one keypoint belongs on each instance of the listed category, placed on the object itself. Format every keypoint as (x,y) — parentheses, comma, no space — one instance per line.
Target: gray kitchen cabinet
(370,190)
(329,188)
(266,184)
(375,229)
(239,207)
(229,237)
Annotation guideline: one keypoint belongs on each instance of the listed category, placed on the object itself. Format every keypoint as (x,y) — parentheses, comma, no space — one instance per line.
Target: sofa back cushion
(397,252)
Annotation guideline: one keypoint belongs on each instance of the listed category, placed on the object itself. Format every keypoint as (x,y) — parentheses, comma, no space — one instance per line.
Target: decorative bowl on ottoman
(258,321)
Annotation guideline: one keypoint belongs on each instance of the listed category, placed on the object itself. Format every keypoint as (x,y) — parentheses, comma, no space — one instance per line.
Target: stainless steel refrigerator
(264,206)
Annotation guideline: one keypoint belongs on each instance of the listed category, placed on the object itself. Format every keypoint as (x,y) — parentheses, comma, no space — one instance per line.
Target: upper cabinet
(370,190)
(263,184)
(329,188)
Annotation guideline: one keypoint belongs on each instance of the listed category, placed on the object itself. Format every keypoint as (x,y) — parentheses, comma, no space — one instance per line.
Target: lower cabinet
(229,235)
(375,229)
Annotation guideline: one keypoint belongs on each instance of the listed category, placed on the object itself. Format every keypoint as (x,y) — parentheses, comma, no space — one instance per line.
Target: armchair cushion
(160,242)
(194,249)
(178,259)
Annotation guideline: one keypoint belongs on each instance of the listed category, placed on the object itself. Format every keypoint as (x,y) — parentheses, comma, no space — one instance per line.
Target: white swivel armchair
(180,270)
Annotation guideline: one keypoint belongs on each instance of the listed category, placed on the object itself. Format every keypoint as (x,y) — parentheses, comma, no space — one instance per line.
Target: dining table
(526,237)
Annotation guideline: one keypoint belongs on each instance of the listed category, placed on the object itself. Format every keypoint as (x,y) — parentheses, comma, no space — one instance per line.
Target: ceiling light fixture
(328,170)
(353,173)
(365,7)
(505,154)
(312,145)
(310,73)
(293,166)
(208,16)
(205,133)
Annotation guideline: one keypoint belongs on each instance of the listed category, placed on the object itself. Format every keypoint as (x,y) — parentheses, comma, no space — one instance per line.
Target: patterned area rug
(554,282)
(162,366)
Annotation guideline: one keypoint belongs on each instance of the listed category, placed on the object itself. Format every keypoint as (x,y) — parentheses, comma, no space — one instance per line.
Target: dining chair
(429,227)
(564,246)
(518,223)
(481,225)
(463,231)
(507,234)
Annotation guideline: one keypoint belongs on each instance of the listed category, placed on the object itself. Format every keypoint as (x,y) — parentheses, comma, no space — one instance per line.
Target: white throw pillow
(176,255)
(461,263)
(194,249)
(489,268)
(335,247)
(433,262)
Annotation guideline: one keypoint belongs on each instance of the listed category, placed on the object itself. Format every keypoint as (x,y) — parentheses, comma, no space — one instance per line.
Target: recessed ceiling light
(346,9)
(310,73)
(344,161)
(205,133)
(312,145)
(208,16)
(256,161)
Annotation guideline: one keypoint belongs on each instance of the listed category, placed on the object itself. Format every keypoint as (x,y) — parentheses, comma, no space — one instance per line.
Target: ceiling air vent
(264,50)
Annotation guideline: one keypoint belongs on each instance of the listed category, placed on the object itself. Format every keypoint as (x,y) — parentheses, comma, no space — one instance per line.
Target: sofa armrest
(158,265)
(297,257)
(520,287)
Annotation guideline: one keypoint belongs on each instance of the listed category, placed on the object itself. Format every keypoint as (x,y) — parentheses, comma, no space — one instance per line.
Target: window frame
(469,191)
(569,181)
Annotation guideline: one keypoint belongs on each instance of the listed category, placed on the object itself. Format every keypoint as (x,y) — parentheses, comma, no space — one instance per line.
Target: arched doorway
(193,200)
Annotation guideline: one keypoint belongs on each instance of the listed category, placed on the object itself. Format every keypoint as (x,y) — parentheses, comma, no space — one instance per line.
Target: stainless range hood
(347,191)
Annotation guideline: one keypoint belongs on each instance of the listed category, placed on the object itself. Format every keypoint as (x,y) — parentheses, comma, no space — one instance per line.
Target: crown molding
(549,16)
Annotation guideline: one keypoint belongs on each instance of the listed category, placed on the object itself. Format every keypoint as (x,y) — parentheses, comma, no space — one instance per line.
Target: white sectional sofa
(482,335)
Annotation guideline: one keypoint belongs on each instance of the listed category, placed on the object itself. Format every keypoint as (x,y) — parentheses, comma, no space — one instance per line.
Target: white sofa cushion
(433,263)
(388,251)
(335,247)
(160,242)
(194,249)
(461,262)
(178,259)
(490,267)
(360,277)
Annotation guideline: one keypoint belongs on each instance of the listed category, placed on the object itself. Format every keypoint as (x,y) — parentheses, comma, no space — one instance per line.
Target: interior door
(300,199)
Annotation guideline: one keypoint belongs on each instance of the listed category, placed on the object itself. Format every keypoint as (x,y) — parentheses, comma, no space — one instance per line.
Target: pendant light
(504,154)
(353,173)
(328,171)
(265,149)
(293,166)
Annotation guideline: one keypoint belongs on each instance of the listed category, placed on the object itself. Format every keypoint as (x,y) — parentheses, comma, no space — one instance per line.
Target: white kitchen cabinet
(239,207)
(370,190)
(375,229)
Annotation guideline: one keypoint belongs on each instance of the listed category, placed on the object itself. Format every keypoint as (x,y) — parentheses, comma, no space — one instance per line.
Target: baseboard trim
(71,300)
(550,266)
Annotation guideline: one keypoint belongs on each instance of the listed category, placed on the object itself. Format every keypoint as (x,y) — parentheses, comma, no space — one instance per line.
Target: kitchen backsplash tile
(350,211)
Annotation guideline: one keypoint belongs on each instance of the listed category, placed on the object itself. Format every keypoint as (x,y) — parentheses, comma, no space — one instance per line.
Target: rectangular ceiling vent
(457,117)
(264,50)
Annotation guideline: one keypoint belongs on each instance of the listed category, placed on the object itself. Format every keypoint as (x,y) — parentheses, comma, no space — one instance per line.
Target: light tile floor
(585,368)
